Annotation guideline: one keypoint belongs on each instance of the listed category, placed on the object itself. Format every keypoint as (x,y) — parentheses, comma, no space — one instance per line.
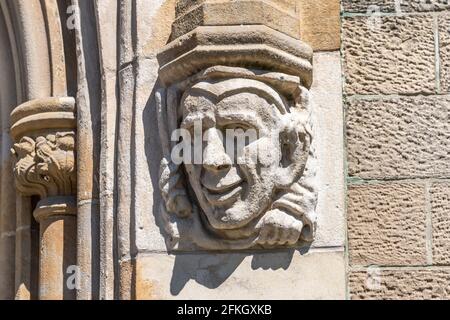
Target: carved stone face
(250,161)
(235,189)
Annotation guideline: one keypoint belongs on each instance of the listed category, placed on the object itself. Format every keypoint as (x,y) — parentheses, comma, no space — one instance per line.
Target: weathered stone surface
(367,6)
(280,275)
(320,23)
(440,210)
(192,14)
(154,25)
(444,52)
(44,165)
(414,284)
(398,57)
(261,193)
(397,6)
(386,224)
(326,100)
(399,137)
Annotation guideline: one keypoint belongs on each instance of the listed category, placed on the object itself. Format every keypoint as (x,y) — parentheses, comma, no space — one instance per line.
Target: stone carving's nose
(214,156)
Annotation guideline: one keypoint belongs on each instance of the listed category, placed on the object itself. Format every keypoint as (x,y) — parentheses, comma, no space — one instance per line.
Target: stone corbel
(43,132)
(244,58)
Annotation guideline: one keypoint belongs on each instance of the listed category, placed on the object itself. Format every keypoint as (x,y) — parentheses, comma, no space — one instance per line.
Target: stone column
(44,166)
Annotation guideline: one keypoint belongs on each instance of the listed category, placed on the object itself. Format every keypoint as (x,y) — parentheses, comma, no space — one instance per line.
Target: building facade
(224,149)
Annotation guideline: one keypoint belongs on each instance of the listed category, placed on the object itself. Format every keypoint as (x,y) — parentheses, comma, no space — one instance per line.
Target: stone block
(326,97)
(394,56)
(387,224)
(397,6)
(440,210)
(192,14)
(320,24)
(444,54)
(400,284)
(237,276)
(364,6)
(398,137)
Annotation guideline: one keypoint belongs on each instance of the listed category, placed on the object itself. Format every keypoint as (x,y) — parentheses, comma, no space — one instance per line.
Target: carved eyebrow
(249,117)
(190,120)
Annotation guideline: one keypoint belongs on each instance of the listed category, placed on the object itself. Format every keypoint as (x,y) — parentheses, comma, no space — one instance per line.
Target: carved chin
(235,216)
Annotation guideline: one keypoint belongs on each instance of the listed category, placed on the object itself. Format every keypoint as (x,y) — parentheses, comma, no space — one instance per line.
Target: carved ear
(295,144)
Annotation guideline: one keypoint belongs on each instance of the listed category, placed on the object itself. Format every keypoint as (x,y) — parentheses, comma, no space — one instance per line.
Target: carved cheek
(268,152)
(194,173)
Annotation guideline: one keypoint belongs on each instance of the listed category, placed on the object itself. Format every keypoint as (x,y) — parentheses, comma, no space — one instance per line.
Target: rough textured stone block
(440,208)
(386,224)
(399,137)
(276,275)
(320,23)
(400,284)
(444,43)
(364,5)
(398,6)
(398,56)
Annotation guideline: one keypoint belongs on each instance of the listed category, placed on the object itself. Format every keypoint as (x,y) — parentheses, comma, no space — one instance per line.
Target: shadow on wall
(207,269)
(211,270)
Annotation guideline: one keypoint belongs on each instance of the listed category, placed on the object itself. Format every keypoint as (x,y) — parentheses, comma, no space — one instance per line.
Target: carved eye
(237,126)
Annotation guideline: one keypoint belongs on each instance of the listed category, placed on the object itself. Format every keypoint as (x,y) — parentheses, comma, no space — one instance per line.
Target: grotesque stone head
(246,178)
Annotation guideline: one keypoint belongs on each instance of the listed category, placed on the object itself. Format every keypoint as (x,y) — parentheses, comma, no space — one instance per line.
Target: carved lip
(224,195)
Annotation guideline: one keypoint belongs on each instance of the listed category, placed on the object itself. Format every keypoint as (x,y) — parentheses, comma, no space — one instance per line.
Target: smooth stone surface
(440,218)
(404,137)
(283,275)
(396,56)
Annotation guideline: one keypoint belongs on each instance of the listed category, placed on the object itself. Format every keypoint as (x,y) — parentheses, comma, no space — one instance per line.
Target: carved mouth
(224,195)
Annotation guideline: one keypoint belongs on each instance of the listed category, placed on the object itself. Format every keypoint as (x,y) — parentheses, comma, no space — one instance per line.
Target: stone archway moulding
(43,129)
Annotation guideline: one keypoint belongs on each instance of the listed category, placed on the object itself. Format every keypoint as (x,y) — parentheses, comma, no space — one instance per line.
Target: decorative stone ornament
(44,166)
(262,193)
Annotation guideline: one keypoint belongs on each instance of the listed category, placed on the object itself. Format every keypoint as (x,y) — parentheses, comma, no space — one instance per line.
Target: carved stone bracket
(43,132)
(241,68)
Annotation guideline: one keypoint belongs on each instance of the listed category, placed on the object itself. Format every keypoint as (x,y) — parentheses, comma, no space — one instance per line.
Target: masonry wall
(315,272)
(396,90)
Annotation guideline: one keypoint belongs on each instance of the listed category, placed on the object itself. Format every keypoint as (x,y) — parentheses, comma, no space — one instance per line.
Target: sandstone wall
(395,60)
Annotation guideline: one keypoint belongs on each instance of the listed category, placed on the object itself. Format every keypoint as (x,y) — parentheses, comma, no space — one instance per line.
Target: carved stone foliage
(44,149)
(260,192)
(45,165)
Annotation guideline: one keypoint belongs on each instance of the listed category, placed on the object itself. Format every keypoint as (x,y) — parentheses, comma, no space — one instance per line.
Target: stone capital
(43,132)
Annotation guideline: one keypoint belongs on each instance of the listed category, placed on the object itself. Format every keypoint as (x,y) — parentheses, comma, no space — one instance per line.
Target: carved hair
(297,200)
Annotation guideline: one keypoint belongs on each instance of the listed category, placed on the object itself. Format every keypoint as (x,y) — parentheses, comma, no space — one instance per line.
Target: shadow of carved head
(238,159)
